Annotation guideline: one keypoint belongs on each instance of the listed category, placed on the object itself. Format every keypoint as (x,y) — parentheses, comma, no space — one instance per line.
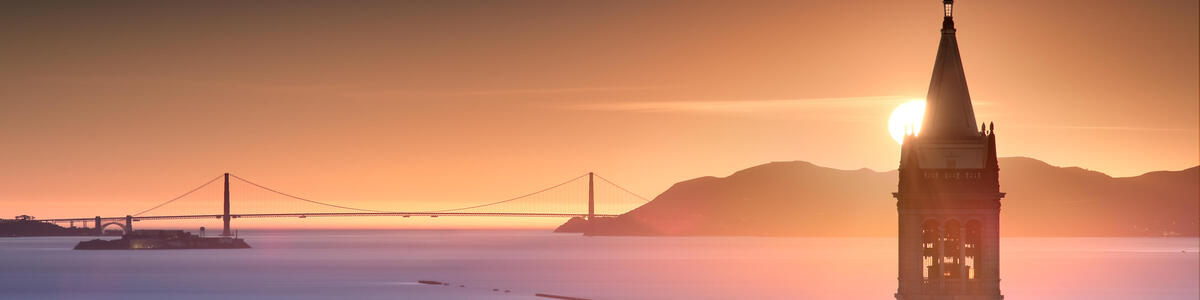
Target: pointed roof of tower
(948,111)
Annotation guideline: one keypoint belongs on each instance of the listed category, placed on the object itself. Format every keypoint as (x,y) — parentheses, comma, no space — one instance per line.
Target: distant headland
(802,199)
(18,227)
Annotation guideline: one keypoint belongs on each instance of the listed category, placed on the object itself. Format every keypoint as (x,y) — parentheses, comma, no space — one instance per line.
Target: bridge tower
(948,196)
(591,197)
(225,216)
(128,224)
(99,229)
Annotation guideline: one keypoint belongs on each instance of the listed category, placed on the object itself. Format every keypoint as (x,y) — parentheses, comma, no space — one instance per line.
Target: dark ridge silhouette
(802,199)
(34,228)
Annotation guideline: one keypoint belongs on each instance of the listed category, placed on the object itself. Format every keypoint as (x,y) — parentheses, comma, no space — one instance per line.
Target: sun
(907,115)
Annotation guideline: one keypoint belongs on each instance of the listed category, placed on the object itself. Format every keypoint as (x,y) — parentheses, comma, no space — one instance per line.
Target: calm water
(386,265)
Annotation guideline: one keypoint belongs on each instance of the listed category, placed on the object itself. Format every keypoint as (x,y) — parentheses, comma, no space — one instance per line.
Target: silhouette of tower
(948,197)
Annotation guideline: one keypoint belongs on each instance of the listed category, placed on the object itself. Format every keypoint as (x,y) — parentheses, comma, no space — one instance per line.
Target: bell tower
(948,196)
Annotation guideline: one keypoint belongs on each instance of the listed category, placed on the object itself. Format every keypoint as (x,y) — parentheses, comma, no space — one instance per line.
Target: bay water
(517,264)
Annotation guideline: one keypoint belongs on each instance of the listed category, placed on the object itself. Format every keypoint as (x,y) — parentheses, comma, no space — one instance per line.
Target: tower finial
(948,21)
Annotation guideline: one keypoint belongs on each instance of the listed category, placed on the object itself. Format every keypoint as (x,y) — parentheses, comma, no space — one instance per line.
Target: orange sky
(109,108)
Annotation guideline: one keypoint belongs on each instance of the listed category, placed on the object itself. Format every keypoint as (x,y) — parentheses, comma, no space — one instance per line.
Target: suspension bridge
(563,200)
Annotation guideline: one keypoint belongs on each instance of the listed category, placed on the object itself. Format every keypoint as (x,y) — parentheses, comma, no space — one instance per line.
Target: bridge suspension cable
(427,211)
(180,196)
(509,199)
(365,210)
(307,200)
(644,199)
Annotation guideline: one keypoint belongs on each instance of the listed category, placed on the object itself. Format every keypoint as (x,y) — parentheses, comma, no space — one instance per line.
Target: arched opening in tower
(973,251)
(930,234)
(952,258)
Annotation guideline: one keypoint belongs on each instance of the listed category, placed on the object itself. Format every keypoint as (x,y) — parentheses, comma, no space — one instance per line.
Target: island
(162,240)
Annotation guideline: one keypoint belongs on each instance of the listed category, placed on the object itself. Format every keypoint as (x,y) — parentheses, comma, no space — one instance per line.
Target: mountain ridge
(799,198)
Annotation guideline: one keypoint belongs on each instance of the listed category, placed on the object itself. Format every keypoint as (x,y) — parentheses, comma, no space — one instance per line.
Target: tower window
(973,251)
(930,234)
(952,250)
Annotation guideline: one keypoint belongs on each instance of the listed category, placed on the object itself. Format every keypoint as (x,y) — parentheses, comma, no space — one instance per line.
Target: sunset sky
(109,108)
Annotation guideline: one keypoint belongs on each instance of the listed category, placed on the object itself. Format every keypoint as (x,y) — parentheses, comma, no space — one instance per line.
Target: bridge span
(126,222)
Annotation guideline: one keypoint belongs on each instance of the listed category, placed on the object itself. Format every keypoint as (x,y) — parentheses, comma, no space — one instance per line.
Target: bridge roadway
(126,222)
(350,214)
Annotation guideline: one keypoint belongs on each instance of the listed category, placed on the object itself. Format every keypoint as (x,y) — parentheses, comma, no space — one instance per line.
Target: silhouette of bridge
(565,199)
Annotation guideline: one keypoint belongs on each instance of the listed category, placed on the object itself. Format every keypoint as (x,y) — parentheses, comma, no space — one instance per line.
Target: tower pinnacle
(948,21)
(948,111)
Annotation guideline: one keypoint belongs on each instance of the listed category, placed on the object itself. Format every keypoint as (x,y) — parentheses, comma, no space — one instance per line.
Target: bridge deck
(353,214)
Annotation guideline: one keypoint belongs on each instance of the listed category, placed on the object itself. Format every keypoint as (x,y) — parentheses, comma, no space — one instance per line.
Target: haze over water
(387,264)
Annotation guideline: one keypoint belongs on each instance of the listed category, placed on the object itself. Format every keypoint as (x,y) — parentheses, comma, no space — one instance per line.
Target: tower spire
(948,111)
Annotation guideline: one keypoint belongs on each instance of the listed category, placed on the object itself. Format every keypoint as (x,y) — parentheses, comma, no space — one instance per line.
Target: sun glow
(907,115)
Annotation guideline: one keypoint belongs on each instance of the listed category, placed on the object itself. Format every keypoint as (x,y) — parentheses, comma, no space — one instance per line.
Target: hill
(802,199)
(11,228)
